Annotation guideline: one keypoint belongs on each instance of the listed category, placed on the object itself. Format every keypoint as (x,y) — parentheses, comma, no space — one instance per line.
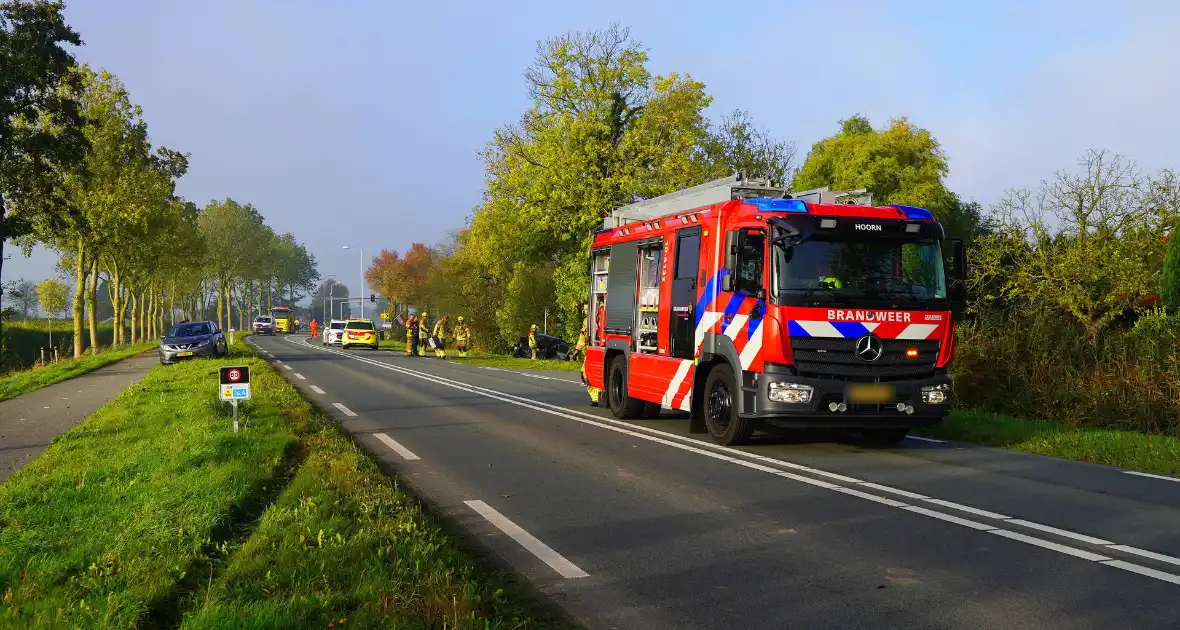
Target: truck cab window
(750,257)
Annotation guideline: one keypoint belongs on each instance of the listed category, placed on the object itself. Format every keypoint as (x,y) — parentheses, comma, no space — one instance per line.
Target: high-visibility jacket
(462,334)
(440,329)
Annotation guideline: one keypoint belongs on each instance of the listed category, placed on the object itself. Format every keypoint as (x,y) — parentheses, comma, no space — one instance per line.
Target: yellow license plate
(870,394)
(184,354)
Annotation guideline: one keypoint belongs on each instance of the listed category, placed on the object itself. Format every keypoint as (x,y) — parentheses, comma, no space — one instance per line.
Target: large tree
(39,125)
(901,163)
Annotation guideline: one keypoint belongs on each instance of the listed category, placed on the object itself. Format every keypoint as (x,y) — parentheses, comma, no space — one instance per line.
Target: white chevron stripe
(735,326)
(917,331)
(686,404)
(677,381)
(818,329)
(753,347)
(707,321)
(871,326)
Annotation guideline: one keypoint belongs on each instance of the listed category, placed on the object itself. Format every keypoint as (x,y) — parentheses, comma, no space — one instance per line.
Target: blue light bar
(778,205)
(911,212)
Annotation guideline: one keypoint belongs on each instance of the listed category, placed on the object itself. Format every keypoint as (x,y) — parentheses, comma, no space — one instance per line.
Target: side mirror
(955,257)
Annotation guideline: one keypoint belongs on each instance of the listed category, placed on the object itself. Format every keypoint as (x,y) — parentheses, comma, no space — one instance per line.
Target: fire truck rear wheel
(622,406)
(721,411)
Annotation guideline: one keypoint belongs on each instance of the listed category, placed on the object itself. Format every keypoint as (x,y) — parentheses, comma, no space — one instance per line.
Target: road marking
(741,458)
(300,376)
(279,361)
(971,510)
(287,367)
(1146,554)
(317,390)
(1040,542)
(547,555)
(925,439)
(1061,532)
(1141,570)
(397,448)
(1143,474)
(345,410)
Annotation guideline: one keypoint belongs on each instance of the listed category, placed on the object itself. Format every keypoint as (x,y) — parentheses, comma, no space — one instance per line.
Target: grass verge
(1124,449)
(24,381)
(153,513)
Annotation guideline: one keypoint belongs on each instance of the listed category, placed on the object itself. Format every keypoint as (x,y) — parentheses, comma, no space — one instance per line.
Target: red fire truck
(742,304)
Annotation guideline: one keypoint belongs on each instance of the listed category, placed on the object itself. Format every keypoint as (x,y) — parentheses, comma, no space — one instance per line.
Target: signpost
(235,386)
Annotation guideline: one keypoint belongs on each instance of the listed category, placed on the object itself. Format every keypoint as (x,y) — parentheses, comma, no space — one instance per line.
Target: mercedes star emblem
(869,347)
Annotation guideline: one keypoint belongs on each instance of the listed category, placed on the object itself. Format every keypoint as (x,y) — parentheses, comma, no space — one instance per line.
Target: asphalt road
(640,525)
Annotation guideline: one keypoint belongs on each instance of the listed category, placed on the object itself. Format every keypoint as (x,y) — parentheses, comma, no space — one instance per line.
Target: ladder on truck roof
(736,186)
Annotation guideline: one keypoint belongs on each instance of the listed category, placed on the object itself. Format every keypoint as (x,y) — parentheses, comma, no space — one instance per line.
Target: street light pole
(362,285)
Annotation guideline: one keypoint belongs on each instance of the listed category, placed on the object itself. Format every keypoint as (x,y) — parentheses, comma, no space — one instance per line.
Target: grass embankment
(148,514)
(21,382)
(485,359)
(1124,449)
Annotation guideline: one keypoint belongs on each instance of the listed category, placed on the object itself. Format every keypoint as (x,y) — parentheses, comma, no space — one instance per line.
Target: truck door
(684,294)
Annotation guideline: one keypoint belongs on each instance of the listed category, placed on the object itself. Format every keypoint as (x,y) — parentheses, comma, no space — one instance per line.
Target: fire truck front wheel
(725,426)
(622,406)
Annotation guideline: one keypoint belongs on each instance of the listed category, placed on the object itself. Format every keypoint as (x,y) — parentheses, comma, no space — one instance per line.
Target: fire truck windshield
(879,269)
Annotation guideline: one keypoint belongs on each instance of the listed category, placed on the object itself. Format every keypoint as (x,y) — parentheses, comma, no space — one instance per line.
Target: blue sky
(369,114)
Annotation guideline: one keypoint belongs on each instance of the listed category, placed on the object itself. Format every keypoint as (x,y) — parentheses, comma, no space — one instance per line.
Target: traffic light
(372,297)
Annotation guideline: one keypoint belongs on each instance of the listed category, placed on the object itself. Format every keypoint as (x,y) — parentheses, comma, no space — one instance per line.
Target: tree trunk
(150,316)
(79,295)
(92,306)
(220,299)
(113,294)
(3,237)
(172,308)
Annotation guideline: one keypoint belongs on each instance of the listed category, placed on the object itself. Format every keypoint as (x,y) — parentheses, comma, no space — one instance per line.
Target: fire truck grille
(820,357)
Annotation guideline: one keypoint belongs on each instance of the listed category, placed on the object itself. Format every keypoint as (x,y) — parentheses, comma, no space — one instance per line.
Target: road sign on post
(235,386)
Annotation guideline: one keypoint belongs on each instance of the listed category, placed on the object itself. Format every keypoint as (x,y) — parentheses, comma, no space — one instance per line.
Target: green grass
(24,339)
(1124,449)
(485,359)
(153,513)
(21,382)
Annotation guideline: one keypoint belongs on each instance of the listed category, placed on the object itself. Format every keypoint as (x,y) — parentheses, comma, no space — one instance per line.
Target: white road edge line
(345,410)
(287,367)
(925,439)
(317,390)
(1143,474)
(397,448)
(556,561)
(300,376)
(715,451)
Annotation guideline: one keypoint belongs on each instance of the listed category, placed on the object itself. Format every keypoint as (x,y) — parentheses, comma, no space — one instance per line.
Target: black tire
(884,436)
(721,409)
(622,406)
(652,410)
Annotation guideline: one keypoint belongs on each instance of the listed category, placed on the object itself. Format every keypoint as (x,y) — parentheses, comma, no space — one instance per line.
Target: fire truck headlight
(789,392)
(935,394)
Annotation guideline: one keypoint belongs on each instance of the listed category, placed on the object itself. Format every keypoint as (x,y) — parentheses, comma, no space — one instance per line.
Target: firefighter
(440,333)
(584,334)
(533,341)
(423,333)
(462,336)
(411,335)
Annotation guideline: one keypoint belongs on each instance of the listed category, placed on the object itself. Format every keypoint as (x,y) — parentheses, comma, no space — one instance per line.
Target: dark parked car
(191,340)
(548,347)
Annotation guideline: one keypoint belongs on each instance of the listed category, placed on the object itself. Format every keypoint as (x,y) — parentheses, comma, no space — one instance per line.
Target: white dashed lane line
(1143,474)
(396,447)
(556,561)
(317,390)
(300,376)
(742,458)
(345,410)
(287,367)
